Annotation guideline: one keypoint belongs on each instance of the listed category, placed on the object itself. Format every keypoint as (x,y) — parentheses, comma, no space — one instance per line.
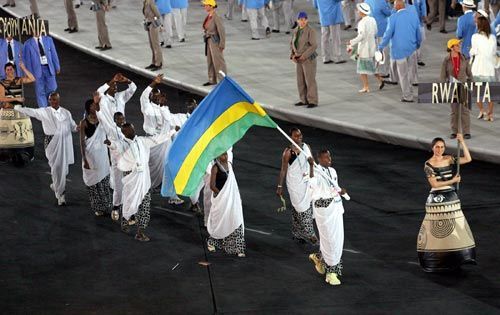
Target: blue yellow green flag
(219,121)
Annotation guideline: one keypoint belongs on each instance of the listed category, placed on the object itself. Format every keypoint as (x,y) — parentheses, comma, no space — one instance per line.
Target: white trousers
(285,7)
(180,20)
(166,32)
(330,43)
(254,15)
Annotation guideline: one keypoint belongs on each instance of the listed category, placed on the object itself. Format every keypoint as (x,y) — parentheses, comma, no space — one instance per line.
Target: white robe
(110,105)
(329,220)
(59,124)
(297,181)
(97,156)
(226,211)
(135,158)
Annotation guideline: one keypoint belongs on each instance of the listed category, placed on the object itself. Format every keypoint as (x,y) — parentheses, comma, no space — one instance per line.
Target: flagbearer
(294,167)
(328,211)
(225,221)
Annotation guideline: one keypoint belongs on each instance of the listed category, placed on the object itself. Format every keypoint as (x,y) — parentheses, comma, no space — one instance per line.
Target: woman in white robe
(57,125)
(328,212)
(95,161)
(295,167)
(225,220)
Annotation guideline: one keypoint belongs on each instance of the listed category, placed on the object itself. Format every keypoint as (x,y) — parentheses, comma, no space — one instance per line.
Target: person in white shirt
(328,212)
(133,160)
(367,32)
(57,125)
(95,161)
(113,101)
(483,58)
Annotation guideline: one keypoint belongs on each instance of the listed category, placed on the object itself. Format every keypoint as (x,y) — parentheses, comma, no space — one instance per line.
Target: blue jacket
(179,4)
(31,56)
(4,56)
(380,12)
(466,27)
(163,6)
(421,7)
(330,12)
(254,4)
(404,34)
(495,23)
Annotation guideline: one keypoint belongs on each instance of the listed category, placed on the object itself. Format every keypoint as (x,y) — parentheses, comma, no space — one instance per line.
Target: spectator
(456,67)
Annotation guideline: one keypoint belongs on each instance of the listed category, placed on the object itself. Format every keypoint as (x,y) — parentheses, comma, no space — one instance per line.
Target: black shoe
(98,47)
(162,43)
(311,105)
(414,84)
(287,33)
(381,86)
(182,40)
(6,5)
(276,31)
(268,32)
(150,66)
(421,63)
(385,76)
(453,136)
(390,82)
(168,46)
(443,31)
(347,27)
(156,68)
(67,29)
(340,61)
(467,136)
(106,48)
(74,30)
(77,6)
(244,20)
(327,62)
(253,38)
(209,83)
(429,27)
(300,104)
(406,101)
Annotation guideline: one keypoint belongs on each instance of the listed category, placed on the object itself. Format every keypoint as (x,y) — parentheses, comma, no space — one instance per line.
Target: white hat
(468,3)
(364,8)
(483,13)
(380,57)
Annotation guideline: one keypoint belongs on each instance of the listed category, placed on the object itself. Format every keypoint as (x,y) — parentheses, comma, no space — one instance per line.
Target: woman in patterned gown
(445,241)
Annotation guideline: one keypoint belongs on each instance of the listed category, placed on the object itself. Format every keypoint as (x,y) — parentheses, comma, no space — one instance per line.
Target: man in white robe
(133,160)
(57,125)
(328,212)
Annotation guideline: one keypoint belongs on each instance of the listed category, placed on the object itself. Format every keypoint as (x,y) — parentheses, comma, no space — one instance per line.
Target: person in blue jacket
(380,11)
(421,7)
(403,33)
(466,26)
(256,11)
(330,18)
(166,16)
(41,59)
(179,13)
(10,50)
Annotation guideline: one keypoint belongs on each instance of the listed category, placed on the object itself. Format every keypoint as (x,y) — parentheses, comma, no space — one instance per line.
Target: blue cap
(302,15)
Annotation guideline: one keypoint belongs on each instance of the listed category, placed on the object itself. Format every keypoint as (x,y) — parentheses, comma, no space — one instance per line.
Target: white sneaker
(61,201)
(331,278)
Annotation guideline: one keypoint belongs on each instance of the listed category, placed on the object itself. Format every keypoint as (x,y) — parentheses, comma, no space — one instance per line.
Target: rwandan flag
(221,120)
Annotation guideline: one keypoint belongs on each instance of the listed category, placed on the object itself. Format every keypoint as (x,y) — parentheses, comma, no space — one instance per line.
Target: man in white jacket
(57,125)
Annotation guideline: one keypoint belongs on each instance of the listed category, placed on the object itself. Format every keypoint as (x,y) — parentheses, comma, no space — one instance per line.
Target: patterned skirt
(365,66)
(445,240)
(302,224)
(234,243)
(100,196)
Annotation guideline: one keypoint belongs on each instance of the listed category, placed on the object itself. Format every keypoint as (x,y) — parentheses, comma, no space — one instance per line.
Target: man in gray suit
(72,20)
(303,47)
(152,18)
(100,7)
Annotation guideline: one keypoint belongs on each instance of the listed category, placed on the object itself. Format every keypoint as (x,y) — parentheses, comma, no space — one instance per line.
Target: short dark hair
(9,64)
(54,93)
(293,129)
(322,151)
(436,140)
(115,115)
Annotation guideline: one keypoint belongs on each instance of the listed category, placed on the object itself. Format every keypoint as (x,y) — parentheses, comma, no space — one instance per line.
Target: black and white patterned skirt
(234,243)
(100,196)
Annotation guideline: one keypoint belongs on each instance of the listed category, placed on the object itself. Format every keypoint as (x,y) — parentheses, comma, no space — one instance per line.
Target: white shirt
(110,105)
(155,116)
(51,118)
(43,59)
(13,50)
